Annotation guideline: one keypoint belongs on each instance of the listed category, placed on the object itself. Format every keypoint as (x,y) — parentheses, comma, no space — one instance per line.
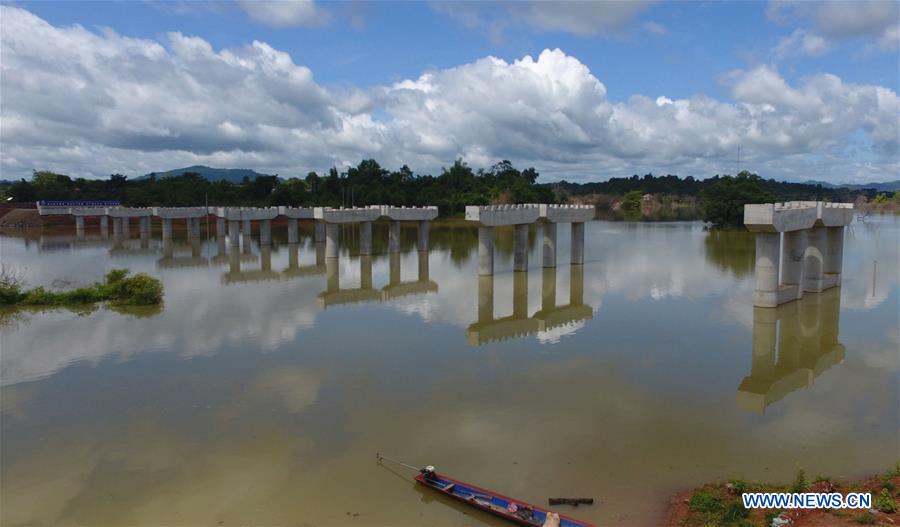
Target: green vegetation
(885,502)
(866,518)
(724,199)
(714,507)
(117,288)
(801,484)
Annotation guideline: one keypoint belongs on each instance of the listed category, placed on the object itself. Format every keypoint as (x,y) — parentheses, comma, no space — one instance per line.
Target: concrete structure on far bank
(521,216)
(802,239)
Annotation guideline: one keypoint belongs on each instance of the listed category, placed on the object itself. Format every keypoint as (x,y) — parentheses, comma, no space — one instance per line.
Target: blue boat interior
(465,493)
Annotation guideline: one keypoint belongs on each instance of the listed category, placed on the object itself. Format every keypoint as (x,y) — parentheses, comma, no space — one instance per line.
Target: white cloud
(91,104)
(875,20)
(801,42)
(654,27)
(285,13)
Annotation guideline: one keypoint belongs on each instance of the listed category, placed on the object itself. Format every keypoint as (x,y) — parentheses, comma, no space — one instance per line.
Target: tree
(724,198)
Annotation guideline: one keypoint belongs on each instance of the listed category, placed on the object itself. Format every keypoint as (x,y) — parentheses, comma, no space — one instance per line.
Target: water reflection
(550,317)
(334,294)
(793,344)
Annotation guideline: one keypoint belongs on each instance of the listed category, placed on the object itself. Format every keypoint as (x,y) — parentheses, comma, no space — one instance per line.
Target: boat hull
(507,508)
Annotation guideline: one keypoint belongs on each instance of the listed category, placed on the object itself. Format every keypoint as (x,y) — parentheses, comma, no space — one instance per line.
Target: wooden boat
(507,508)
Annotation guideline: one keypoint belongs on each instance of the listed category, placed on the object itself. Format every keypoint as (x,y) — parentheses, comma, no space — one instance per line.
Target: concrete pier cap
(297,213)
(780,217)
(129,212)
(349,215)
(567,213)
(494,215)
(176,213)
(409,213)
(245,213)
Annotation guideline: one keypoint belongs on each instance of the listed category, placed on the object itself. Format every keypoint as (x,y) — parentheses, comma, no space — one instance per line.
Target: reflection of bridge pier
(487,328)
(172,259)
(792,345)
(334,294)
(237,257)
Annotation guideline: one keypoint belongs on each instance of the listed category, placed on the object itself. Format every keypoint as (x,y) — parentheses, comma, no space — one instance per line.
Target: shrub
(141,290)
(884,502)
(118,288)
(800,482)
(705,501)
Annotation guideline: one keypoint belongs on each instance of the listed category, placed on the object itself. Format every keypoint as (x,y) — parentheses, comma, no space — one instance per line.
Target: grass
(117,288)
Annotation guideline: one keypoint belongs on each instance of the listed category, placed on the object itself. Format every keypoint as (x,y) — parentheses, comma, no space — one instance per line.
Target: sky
(581,91)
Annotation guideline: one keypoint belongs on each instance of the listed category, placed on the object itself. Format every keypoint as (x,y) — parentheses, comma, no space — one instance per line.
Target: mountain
(886,186)
(234,175)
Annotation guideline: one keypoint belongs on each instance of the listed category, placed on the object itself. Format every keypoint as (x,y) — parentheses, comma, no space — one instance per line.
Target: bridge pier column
(767,257)
(331,240)
(117,227)
(394,237)
(486,251)
(104,226)
(189,225)
(365,238)
(144,226)
(833,263)
(793,247)
(577,243)
(520,247)
(220,228)
(247,228)
(234,233)
(293,255)
(166,230)
(319,236)
(813,260)
(265,257)
(424,227)
(265,232)
(126,227)
(549,244)
(293,236)
(79,227)
(320,254)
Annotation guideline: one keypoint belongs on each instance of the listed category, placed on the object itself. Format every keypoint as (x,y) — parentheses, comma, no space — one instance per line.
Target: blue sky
(808,90)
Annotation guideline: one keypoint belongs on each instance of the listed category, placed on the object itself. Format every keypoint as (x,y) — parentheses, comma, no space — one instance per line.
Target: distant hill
(887,186)
(233,175)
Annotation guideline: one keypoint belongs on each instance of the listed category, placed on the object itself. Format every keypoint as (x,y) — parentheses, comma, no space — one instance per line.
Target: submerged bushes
(117,288)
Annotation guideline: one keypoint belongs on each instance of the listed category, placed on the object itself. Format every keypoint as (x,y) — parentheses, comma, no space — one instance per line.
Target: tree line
(719,199)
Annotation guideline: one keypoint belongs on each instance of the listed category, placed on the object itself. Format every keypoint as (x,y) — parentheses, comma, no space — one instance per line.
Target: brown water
(261,391)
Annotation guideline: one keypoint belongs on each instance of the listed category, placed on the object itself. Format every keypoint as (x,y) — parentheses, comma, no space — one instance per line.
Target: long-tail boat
(516,511)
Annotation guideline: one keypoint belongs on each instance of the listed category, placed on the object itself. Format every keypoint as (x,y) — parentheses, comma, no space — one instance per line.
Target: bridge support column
(577,243)
(794,245)
(833,264)
(813,260)
(768,245)
(394,237)
(79,227)
(365,238)
(320,254)
(166,230)
(293,256)
(220,228)
(486,251)
(549,244)
(126,227)
(117,227)
(189,225)
(424,227)
(331,240)
(520,247)
(265,232)
(144,226)
(292,231)
(319,236)
(104,226)
(234,233)
(247,228)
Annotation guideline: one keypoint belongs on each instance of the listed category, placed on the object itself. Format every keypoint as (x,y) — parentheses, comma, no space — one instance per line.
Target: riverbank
(720,503)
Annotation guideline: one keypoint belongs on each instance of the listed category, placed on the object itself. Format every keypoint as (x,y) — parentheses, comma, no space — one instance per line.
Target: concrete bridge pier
(319,234)
(331,240)
(793,249)
(189,226)
(424,227)
(768,254)
(813,260)
(365,238)
(834,256)
(220,228)
(577,243)
(144,227)
(166,230)
(104,226)
(293,255)
(246,228)
(265,232)
(394,237)
(234,233)
(79,227)
(117,227)
(549,259)
(485,250)
(126,227)
(293,236)
(520,247)
(320,254)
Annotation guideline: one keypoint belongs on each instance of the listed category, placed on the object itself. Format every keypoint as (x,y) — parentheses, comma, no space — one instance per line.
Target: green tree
(724,198)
